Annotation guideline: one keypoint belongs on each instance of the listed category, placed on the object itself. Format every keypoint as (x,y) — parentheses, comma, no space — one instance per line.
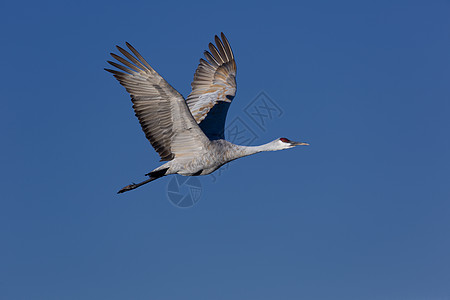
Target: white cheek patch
(284,145)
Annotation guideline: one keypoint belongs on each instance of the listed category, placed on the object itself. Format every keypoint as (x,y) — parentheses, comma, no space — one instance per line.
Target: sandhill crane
(188,134)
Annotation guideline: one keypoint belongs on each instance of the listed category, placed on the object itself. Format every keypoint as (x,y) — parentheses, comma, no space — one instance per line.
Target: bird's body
(213,156)
(188,134)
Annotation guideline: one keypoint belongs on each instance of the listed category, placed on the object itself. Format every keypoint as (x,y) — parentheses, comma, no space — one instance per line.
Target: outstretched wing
(161,110)
(213,88)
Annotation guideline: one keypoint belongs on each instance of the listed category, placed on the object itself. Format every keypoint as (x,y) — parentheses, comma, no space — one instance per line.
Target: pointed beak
(299,144)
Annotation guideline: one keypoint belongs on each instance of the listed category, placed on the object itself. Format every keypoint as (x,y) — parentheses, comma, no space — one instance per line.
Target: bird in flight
(187,133)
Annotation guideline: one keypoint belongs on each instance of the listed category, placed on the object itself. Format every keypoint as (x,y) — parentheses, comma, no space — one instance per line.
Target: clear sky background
(362,213)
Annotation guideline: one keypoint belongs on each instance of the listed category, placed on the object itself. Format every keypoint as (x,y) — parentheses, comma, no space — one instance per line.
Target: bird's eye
(284,140)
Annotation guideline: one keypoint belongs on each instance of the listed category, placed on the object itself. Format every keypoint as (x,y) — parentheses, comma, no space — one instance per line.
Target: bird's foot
(127,188)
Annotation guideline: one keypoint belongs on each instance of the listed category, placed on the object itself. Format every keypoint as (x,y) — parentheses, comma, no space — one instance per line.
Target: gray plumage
(188,134)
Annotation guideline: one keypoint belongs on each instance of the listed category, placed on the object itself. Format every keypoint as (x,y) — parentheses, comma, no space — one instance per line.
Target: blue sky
(362,213)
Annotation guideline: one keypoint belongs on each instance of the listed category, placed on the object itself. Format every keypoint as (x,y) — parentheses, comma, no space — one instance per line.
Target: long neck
(241,151)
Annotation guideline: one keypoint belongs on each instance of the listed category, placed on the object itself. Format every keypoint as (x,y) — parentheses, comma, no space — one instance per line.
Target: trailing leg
(153,176)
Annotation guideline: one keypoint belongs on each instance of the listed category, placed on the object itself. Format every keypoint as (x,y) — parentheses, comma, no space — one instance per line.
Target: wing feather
(160,109)
(227,47)
(213,88)
(118,66)
(221,49)
(211,59)
(216,54)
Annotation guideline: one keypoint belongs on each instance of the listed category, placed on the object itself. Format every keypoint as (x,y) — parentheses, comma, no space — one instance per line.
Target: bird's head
(284,143)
